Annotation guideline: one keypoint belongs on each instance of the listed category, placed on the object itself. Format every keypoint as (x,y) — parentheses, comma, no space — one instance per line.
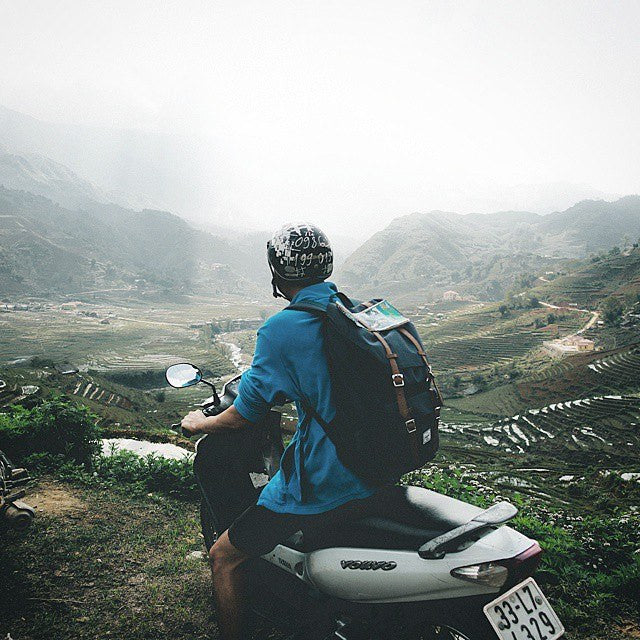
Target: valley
(512,403)
(531,323)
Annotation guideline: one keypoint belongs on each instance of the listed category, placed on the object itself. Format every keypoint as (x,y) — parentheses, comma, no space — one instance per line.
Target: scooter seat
(402,518)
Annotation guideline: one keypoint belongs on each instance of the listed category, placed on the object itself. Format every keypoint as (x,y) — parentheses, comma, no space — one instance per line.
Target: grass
(110,559)
(118,567)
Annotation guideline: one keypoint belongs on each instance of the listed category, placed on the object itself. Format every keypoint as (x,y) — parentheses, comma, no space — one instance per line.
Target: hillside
(582,407)
(421,255)
(47,249)
(45,177)
(587,283)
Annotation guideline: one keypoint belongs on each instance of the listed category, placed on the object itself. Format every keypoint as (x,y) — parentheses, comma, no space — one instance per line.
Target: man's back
(289,363)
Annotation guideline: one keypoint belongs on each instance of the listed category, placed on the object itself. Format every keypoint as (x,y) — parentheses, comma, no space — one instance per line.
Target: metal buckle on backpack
(397,379)
(411,425)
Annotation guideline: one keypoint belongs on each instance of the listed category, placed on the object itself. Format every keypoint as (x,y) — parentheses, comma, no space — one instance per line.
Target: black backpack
(387,403)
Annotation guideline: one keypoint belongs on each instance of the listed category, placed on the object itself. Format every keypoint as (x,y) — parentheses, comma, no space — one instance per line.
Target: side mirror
(183,375)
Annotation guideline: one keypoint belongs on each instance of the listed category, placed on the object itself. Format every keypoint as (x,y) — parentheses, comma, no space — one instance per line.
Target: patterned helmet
(300,252)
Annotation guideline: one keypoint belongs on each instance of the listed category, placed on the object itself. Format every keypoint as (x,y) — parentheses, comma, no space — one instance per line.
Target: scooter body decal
(369,565)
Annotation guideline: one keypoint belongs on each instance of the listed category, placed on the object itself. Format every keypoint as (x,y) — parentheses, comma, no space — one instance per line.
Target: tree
(504,310)
(611,310)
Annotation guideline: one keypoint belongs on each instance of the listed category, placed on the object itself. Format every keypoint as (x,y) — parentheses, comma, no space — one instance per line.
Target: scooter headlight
(490,574)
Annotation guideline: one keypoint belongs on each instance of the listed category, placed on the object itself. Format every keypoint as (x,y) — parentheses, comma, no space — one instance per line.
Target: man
(312,489)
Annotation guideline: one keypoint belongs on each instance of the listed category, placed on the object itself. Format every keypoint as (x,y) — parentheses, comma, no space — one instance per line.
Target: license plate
(523,613)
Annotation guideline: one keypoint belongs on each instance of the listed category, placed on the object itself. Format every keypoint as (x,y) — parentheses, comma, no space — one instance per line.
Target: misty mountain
(135,169)
(47,249)
(423,254)
(254,243)
(44,177)
(590,226)
(187,174)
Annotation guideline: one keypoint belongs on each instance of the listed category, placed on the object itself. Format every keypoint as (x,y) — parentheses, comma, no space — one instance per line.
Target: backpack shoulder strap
(416,343)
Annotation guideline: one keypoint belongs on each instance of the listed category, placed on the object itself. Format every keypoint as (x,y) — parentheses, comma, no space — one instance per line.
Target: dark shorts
(258,530)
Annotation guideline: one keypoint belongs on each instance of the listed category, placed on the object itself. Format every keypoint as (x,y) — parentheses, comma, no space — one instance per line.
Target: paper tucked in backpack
(382,316)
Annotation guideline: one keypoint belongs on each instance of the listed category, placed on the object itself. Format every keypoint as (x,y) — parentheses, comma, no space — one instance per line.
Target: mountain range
(46,249)
(61,233)
(421,255)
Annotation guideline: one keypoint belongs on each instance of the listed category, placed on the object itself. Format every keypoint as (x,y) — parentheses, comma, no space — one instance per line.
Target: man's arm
(196,422)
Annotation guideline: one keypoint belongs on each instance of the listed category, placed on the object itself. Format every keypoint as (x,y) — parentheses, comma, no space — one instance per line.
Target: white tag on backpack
(258,479)
(426,436)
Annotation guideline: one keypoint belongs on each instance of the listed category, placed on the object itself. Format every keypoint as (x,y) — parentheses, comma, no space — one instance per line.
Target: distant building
(583,344)
(66,369)
(451,295)
(570,344)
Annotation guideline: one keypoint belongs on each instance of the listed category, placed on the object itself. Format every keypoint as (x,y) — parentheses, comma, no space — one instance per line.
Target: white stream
(236,354)
(166,450)
(144,448)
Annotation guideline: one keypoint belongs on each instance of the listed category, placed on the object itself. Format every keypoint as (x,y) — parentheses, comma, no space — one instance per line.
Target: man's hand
(195,422)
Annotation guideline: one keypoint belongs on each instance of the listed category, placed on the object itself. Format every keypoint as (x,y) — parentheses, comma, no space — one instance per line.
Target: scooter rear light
(524,564)
(491,574)
(502,572)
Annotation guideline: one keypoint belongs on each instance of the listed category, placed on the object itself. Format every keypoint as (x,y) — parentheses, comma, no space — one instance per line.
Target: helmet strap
(276,293)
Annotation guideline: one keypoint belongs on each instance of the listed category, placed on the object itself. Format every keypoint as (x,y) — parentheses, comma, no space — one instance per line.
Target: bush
(124,471)
(611,309)
(151,473)
(56,426)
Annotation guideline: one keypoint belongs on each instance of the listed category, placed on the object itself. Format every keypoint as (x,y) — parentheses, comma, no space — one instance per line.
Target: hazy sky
(337,110)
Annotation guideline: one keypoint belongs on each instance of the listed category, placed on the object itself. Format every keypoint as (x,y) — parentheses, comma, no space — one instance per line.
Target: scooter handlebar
(177,427)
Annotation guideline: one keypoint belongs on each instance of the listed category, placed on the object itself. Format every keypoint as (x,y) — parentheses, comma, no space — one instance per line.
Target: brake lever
(177,427)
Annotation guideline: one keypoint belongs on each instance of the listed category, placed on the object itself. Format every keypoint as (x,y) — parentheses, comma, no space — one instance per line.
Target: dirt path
(594,316)
(157,322)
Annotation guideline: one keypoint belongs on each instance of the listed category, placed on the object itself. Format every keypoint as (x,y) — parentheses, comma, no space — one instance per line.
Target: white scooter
(427,567)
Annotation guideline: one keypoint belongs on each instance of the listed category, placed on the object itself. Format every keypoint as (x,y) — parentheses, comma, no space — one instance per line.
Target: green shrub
(56,426)
(151,473)
(124,471)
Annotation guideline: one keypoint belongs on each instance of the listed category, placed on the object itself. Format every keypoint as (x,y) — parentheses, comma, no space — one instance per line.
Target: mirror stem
(216,398)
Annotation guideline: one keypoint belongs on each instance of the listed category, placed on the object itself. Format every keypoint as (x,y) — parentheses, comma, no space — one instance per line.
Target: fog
(346,113)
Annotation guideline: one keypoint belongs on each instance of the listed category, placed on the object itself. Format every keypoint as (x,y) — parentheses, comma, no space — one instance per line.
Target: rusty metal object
(13,512)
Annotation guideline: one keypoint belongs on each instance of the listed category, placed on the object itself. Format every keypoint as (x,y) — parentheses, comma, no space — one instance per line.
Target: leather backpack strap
(346,301)
(416,343)
(397,378)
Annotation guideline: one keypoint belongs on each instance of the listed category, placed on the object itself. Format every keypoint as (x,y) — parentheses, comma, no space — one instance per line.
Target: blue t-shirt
(289,363)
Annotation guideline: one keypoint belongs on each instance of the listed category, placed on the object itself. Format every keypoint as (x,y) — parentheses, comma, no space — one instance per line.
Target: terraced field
(582,375)
(119,339)
(598,429)
(482,351)
(620,369)
(595,281)
(482,338)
